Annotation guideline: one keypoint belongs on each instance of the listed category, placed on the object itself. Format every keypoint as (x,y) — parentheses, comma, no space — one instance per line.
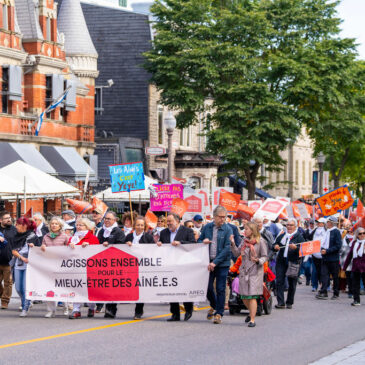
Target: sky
(353,14)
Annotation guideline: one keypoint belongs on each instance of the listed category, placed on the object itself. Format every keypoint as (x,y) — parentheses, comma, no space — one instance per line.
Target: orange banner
(179,206)
(229,200)
(79,206)
(335,201)
(245,212)
(100,205)
(310,247)
(151,219)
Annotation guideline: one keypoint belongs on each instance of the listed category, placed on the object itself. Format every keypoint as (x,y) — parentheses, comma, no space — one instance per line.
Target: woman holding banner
(254,254)
(287,263)
(139,236)
(56,237)
(83,237)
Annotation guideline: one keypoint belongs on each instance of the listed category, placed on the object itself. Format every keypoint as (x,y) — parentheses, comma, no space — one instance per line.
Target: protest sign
(244,211)
(140,273)
(216,193)
(229,200)
(165,195)
(127,177)
(206,204)
(254,204)
(151,219)
(335,201)
(302,210)
(179,206)
(271,209)
(310,247)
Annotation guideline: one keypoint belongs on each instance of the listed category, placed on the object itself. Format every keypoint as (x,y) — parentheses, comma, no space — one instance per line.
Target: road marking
(87,330)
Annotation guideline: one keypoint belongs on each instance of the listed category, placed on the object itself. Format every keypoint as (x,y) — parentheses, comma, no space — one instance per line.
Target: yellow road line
(86,330)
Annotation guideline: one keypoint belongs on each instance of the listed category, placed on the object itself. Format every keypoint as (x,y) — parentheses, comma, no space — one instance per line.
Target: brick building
(42,52)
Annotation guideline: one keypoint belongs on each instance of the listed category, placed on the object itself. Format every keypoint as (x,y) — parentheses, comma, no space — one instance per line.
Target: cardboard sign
(195,203)
(254,204)
(229,200)
(127,177)
(310,247)
(302,209)
(335,201)
(151,219)
(165,195)
(179,206)
(205,194)
(271,209)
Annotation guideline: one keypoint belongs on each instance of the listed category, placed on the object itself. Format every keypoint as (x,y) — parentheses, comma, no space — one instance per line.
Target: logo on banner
(229,200)
(309,248)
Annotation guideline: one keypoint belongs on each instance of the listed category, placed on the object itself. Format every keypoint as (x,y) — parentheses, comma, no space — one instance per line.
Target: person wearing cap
(330,251)
(70,218)
(198,222)
(97,219)
(318,234)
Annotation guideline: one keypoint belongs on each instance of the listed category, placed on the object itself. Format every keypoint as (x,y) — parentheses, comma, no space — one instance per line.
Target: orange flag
(310,247)
(360,211)
(79,206)
(151,219)
(245,212)
(179,206)
(29,213)
(97,203)
(335,201)
(229,200)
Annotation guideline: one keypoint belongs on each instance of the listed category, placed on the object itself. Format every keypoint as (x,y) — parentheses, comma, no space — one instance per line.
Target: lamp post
(170,125)
(321,158)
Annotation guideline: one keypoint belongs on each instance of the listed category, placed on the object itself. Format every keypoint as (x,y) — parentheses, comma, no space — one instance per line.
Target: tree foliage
(266,64)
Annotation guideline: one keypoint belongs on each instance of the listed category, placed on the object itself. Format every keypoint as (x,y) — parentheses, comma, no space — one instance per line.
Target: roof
(27,19)
(71,23)
(121,37)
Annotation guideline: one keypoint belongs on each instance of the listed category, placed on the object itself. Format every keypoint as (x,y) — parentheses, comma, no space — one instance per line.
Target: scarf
(136,238)
(108,230)
(358,249)
(286,241)
(20,240)
(127,230)
(326,241)
(250,244)
(78,236)
(53,235)
(38,231)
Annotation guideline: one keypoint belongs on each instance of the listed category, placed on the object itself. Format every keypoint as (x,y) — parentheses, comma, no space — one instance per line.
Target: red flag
(360,211)
(151,219)
(29,213)
(229,200)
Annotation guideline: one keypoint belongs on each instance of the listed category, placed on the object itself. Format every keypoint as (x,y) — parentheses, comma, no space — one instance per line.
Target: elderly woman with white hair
(42,228)
(55,237)
(287,263)
(83,237)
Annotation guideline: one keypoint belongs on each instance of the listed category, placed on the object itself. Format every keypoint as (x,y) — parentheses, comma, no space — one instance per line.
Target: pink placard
(166,194)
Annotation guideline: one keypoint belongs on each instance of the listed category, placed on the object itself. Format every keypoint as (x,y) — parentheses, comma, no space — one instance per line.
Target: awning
(67,162)
(242,184)
(26,152)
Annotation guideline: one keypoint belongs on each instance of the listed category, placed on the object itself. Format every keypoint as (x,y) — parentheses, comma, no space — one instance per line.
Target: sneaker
(210,314)
(74,315)
(90,313)
(334,297)
(355,303)
(322,296)
(138,316)
(4,305)
(24,313)
(251,324)
(50,314)
(217,319)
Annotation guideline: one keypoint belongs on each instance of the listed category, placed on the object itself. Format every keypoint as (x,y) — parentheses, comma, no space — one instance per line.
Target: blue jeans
(20,282)
(314,276)
(216,300)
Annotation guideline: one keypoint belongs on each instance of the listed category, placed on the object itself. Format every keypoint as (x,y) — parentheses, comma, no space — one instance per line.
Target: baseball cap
(333,219)
(197,217)
(69,212)
(321,220)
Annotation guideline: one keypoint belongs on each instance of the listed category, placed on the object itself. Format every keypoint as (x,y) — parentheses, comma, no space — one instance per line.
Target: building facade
(42,54)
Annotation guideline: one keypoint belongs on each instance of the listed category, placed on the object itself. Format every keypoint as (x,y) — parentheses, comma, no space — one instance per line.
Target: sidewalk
(350,355)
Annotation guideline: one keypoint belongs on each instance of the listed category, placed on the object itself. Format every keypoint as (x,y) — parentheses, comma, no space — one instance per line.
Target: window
(195,182)
(123,3)
(5,90)
(303,172)
(296,172)
(98,101)
(48,93)
(160,125)
(5,17)
(133,155)
(207,128)
(182,136)
(48,29)
(189,136)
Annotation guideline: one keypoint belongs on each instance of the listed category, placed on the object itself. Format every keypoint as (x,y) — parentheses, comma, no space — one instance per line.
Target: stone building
(42,53)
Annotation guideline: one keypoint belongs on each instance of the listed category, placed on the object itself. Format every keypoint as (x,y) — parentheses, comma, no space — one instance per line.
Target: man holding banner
(218,235)
(177,234)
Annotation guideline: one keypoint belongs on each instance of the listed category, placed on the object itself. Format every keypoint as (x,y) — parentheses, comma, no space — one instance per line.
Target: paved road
(311,330)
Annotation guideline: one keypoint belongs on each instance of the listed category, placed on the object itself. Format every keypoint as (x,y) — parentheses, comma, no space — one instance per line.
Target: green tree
(254,59)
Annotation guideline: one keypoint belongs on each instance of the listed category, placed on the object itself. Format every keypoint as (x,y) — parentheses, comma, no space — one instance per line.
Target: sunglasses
(361,233)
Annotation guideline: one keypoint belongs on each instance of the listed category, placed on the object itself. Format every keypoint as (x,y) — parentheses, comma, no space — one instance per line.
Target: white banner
(142,273)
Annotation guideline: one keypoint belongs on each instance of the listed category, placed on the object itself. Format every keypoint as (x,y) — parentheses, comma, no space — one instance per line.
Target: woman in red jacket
(83,237)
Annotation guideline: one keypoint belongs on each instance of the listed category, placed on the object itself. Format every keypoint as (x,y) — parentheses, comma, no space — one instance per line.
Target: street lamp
(321,158)
(170,125)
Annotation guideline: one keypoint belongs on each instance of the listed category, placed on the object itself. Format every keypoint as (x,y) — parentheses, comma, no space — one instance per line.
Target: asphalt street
(310,331)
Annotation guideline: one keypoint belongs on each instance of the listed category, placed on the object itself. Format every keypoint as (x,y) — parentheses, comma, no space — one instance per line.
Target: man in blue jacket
(330,250)
(217,234)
